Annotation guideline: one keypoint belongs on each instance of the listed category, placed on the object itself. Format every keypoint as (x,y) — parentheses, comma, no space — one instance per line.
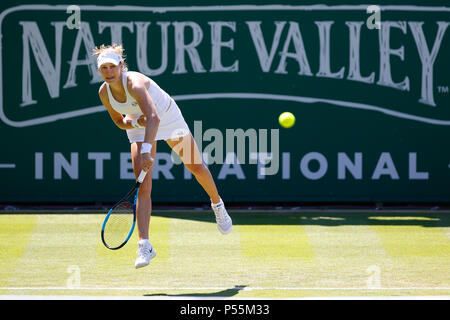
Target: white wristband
(135,123)
(146,147)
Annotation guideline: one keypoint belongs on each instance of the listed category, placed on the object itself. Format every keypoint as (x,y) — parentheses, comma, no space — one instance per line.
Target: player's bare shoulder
(102,91)
(103,94)
(136,79)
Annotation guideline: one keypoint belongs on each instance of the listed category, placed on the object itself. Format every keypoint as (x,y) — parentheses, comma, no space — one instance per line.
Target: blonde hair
(116,48)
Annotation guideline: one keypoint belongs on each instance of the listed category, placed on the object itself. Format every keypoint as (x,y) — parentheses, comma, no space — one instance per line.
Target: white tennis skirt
(171,126)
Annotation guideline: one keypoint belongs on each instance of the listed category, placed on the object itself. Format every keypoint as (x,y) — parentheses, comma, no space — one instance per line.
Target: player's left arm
(138,90)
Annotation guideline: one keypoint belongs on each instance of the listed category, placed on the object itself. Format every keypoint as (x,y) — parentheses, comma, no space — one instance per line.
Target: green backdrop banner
(368,85)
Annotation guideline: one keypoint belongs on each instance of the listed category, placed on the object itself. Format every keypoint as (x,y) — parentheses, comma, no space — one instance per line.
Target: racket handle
(141,176)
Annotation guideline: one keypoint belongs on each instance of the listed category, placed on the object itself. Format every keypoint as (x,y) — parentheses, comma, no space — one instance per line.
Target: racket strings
(119,224)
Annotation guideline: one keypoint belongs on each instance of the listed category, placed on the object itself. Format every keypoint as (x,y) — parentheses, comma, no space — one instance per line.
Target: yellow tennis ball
(286,119)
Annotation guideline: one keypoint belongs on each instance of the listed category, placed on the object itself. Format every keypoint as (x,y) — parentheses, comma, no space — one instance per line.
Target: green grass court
(279,254)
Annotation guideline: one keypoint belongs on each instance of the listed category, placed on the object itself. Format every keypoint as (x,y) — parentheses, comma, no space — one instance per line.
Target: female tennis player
(151,115)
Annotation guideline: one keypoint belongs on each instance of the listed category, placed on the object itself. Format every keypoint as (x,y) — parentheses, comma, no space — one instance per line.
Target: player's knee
(146,185)
(197,168)
(145,189)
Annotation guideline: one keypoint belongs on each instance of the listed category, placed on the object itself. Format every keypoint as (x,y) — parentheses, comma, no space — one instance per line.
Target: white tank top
(131,108)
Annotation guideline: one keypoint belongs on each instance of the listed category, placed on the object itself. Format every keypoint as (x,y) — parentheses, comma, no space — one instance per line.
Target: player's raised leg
(188,151)
(143,207)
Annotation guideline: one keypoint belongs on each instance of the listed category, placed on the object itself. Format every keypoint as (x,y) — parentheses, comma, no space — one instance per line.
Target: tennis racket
(120,220)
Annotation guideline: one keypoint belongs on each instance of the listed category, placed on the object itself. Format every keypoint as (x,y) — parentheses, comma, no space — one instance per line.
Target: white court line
(49,297)
(221,288)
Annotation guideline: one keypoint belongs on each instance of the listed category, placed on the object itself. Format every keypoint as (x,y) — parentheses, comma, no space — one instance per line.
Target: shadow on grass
(424,219)
(222,293)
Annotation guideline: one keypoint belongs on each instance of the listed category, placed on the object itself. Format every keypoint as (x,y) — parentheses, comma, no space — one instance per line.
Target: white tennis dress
(172,124)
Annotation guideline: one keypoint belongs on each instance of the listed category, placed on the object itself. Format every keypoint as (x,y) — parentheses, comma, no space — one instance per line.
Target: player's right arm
(116,117)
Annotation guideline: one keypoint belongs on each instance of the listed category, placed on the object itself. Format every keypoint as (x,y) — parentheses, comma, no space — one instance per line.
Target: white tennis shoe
(224,222)
(145,253)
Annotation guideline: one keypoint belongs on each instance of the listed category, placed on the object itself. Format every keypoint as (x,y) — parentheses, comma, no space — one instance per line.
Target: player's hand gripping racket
(120,220)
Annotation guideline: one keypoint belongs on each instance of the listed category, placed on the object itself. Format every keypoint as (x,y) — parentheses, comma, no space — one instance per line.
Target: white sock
(144,241)
(216,204)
